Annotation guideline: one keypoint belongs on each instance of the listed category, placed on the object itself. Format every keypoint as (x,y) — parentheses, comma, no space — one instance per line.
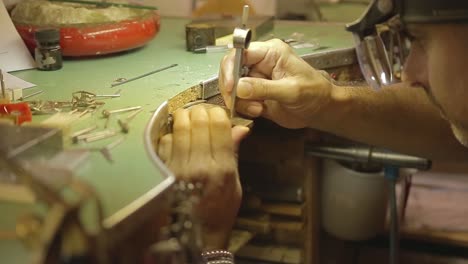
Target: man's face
(437,61)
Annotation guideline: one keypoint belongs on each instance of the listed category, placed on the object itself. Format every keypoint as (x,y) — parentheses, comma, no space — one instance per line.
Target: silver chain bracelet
(218,257)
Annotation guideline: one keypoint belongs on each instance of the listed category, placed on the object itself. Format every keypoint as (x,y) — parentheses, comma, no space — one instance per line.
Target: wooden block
(238,239)
(285,209)
(271,253)
(290,226)
(256,225)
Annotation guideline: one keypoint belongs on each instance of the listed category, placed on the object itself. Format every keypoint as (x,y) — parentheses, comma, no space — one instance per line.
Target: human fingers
(265,57)
(250,108)
(222,146)
(200,134)
(260,57)
(226,78)
(282,90)
(181,137)
(165,147)
(238,134)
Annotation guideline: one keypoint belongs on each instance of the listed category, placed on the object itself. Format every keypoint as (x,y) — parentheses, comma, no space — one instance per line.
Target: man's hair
(432,11)
(410,11)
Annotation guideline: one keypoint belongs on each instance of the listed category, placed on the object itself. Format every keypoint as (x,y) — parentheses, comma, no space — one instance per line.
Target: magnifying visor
(382,43)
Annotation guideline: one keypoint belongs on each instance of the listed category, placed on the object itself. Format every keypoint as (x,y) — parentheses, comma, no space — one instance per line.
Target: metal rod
(366,155)
(394,228)
(92,135)
(391,173)
(124,123)
(107,113)
(100,136)
(30,95)
(75,135)
(245,16)
(237,69)
(144,75)
(107,95)
(2,83)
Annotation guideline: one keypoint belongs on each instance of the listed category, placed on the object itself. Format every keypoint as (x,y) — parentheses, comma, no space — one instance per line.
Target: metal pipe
(366,154)
(392,173)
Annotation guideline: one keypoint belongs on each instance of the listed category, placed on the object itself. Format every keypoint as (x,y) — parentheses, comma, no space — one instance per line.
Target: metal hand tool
(76,136)
(143,75)
(107,113)
(107,95)
(241,41)
(124,123)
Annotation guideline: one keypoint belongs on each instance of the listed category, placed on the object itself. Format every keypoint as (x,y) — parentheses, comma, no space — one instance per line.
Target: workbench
(132,173)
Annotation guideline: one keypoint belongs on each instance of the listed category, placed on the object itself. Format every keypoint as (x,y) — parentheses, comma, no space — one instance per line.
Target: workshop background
(436,205)
(435,225)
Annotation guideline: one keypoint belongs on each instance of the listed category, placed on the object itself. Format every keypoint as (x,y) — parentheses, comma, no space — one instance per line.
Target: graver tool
(241,40)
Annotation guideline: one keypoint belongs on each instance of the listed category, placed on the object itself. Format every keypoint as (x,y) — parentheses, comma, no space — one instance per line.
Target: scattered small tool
(107,95)
(213,49)
(105,151)
(30,95)
(107,113)
(144,75)
(85,100)
(241,41)
(124,123)
(48,107)
(91,137)
(107,134)
(75,136)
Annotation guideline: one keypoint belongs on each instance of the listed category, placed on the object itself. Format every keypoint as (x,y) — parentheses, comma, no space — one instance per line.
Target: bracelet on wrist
(218,257)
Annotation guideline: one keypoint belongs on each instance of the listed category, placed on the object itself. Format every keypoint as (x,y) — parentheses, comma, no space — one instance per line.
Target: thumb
(238,134)
(263,89)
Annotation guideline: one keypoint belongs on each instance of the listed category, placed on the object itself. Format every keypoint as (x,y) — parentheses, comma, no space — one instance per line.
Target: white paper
(14,55)
(13,82)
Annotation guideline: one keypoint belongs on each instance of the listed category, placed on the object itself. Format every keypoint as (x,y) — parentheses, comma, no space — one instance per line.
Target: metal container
(354,204)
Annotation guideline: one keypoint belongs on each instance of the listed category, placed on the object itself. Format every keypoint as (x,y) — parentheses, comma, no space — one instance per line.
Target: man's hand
(203,148)
(281,86)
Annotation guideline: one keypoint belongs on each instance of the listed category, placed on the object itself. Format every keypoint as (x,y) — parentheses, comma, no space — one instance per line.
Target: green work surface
(132,172)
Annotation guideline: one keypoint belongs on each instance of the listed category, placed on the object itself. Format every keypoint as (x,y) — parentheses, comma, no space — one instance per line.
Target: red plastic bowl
(99,39)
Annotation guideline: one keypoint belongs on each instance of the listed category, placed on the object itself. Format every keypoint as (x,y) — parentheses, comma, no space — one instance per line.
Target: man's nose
(415,69)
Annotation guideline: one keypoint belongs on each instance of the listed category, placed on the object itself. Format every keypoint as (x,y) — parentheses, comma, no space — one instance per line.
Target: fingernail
(244,89)
(254,110)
